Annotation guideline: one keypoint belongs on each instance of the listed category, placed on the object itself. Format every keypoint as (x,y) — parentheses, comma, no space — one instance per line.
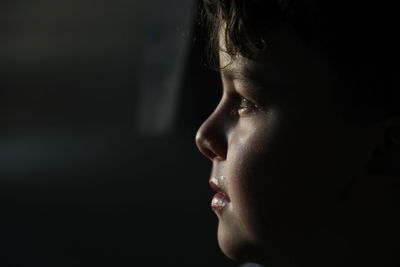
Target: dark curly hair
(359,38)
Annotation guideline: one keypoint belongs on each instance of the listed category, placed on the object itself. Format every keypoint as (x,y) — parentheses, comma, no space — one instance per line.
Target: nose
(211,138)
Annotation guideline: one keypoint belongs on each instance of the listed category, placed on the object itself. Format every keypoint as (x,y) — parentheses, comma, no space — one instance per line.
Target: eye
(242,106)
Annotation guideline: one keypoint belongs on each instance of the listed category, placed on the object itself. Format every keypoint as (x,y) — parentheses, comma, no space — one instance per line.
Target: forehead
(278,66)
(288,64)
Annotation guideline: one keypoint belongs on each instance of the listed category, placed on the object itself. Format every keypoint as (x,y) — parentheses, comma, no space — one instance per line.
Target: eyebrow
(234,74)
(255,86)
(261,81)
(262,76)
(244,75)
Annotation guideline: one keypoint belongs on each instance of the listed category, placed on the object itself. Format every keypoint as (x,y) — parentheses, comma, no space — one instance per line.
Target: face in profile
(283,156)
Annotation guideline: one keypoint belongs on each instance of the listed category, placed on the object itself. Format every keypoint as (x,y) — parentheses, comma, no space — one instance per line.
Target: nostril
(208,153)
(203,147)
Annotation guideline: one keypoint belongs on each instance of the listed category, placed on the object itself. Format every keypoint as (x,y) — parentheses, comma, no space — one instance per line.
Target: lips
(218,184)
(220,199)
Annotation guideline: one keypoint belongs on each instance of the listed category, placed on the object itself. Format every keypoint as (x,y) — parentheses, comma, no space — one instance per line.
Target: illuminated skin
(289,158)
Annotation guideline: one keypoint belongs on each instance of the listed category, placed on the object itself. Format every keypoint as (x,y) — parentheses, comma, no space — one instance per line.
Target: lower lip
(219,202)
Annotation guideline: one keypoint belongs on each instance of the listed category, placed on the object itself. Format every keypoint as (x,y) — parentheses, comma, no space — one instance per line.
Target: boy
(305,140)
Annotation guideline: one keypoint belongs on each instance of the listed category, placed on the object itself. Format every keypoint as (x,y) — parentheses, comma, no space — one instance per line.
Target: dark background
(99,105)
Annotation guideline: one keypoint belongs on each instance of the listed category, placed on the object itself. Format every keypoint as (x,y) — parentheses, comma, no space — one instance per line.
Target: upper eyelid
(237,93)
(238,98)
(235,82)
(242,86)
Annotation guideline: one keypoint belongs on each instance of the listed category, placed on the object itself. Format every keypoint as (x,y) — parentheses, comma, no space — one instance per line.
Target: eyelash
(242,104)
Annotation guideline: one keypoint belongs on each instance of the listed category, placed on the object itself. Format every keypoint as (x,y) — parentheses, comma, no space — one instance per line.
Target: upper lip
(217,183)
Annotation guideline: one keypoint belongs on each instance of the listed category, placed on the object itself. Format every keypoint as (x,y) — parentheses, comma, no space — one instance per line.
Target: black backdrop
(80,186)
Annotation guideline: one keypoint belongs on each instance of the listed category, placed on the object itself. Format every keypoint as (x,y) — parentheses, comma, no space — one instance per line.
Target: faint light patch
(164,52)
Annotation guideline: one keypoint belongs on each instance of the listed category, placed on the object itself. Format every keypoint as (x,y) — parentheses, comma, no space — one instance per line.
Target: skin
(294,165)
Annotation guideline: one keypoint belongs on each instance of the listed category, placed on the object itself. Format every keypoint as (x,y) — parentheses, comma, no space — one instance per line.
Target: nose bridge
(211,138)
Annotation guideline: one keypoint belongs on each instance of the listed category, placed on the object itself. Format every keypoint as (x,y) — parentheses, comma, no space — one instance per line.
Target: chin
(236,244)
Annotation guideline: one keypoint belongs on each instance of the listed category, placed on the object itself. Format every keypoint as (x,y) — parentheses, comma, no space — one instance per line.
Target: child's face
(285,152)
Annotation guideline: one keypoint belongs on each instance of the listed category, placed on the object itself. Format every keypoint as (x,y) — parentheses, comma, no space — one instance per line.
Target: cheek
(250,185)
(285,177)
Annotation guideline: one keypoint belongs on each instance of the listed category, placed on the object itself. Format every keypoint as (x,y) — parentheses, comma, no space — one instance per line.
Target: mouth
(220,199)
